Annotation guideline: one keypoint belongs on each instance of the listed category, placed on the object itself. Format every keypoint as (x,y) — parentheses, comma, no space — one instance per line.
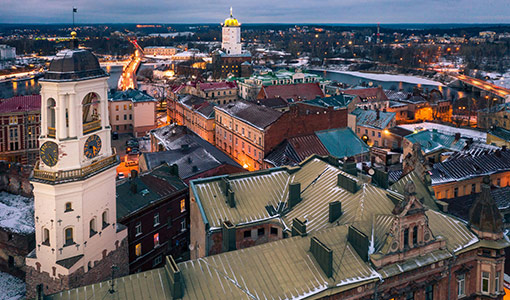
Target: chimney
(457,136)
(347,183)
(377,114)
(335,210)
(381,178)
(39,292)
(174,170)
(231,201)
(134,187)
(175,277)
(349,167)
(323,255)
(228,231)
(359,242)
(224,185)
(503,148)
(294,194)
(298,227)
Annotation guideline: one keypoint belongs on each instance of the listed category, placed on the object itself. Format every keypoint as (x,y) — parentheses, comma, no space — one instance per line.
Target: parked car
(115,135)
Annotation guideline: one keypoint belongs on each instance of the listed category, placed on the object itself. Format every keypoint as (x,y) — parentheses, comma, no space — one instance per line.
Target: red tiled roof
(302,91)
(307,145)
(20,104)
(376,93)
(212,86)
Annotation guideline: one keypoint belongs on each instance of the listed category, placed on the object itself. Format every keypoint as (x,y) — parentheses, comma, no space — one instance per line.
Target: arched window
(46,237)
(50,108)
(92,225)
(69,207)
(105,218)
(91,113)
(68,236)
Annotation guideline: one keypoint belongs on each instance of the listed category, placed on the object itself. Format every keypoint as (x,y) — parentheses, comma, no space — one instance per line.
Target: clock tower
(78,240)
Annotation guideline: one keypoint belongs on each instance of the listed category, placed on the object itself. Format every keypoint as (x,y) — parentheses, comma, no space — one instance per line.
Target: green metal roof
(432,141)
(501,133)
(342,142)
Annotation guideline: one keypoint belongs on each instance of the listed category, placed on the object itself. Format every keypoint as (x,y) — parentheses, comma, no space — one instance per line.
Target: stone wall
(101,271)
(14,179)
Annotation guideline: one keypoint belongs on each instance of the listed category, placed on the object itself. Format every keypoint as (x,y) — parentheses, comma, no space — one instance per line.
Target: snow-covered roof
(16,213)
(11,288)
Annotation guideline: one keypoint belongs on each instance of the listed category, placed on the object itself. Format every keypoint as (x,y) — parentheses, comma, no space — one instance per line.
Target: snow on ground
(17,213)
(464,132)
(389,77)
(502,80)
(11,288)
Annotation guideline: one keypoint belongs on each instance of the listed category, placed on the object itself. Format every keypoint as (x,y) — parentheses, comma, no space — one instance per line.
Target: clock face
(49,153)
(92,146)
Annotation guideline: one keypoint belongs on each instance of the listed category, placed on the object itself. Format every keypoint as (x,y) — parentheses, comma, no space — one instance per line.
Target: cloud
(260,11)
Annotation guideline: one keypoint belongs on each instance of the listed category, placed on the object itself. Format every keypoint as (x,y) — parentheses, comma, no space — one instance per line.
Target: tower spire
(231,11)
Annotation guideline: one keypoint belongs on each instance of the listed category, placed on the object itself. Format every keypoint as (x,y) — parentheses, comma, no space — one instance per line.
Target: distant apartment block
(132,111)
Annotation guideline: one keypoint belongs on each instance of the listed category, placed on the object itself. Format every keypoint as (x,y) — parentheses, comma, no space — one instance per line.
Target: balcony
(76,174)
(51,132)
(91,126)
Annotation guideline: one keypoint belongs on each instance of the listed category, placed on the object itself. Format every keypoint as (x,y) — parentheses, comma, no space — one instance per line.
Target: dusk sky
(256,11)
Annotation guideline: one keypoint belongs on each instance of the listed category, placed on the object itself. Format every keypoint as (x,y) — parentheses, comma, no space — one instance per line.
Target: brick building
(372,126)
(20,127)
(497,115)
(154,206)
(370,98)
(196,113)
(132,111)
(346,239)
(247,132)
(220,92)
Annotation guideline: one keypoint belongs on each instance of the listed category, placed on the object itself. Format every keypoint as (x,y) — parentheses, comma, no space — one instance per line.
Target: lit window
(156,219)
(485,282)
(138,249)
(461,285)
(116,108)
(138,228)
(156,239)
(183,205)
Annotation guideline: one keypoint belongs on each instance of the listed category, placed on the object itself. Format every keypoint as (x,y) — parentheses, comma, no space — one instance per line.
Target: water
(448,93)
(27,87)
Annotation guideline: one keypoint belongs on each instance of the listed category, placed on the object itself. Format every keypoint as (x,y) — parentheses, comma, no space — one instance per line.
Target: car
(115,135)
(121,176)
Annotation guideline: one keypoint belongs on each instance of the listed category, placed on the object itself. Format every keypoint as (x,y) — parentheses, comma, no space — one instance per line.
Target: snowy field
(465,133)
(389,77)
(11,288)
(16,213)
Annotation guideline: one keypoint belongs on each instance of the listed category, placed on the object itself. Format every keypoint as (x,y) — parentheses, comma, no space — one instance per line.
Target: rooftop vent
(298,227)
(323,255)
(335,210)
(349,167)
(175,277)
(294,194)
(228,231)
(231,201)
(359,242)
(347,183)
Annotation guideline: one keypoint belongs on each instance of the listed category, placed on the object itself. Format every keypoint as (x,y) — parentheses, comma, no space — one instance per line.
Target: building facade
(196,113)
(132,111)
(76,234)
(20,127)
(372,126)
(159,51)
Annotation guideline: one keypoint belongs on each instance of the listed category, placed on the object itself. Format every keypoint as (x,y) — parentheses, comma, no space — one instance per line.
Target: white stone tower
(77,236)
(231,36)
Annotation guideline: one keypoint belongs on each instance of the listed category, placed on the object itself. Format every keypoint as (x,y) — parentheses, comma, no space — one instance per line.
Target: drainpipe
(450,264)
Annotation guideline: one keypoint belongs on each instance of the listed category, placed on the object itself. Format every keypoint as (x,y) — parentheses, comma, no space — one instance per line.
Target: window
(130,106)
(473,188)
(415,235)
(157,261)
(406,237)
(274,231)
(69,239)
(242,130)
(130,116)
(125,106)
(456,192)
(138,249)
(156,219)
(461,285)
(156,240)
(379,134)
(496,283)
(247,233)
(485,282)
(429,292)
(260,231)
(116,108)
(13,120)
(125,117)
(13,139)
(138,228)
(116,117)
(46,237)
(105,219)
(69,207)
(183,225)
(92,226)
(373,133)
(183,205)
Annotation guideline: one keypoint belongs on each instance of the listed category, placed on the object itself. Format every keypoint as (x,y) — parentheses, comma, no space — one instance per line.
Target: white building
(231,36)
(77,236)
(7,52)
(159,51)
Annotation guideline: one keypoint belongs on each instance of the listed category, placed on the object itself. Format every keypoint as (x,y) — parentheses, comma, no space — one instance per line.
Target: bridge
(477,85)
(128,78)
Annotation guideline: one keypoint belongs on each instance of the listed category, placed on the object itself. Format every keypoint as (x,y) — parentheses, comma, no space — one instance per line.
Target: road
(128,78)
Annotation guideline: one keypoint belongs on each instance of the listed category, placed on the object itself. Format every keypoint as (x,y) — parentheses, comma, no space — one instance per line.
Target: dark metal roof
(256,115)
(501,133)
(74,64)
(132,95)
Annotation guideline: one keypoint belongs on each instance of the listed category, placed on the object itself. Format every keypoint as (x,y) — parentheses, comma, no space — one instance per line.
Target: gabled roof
(368,94)
(424,192)
(132,95)
(342,142)
(273,103)
(255,115)
(368,118)
(216,86)
(199,104)
(21,104)
(501,133)
(300,91)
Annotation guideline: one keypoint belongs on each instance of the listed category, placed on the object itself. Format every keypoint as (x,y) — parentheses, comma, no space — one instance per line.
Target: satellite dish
(371,172)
